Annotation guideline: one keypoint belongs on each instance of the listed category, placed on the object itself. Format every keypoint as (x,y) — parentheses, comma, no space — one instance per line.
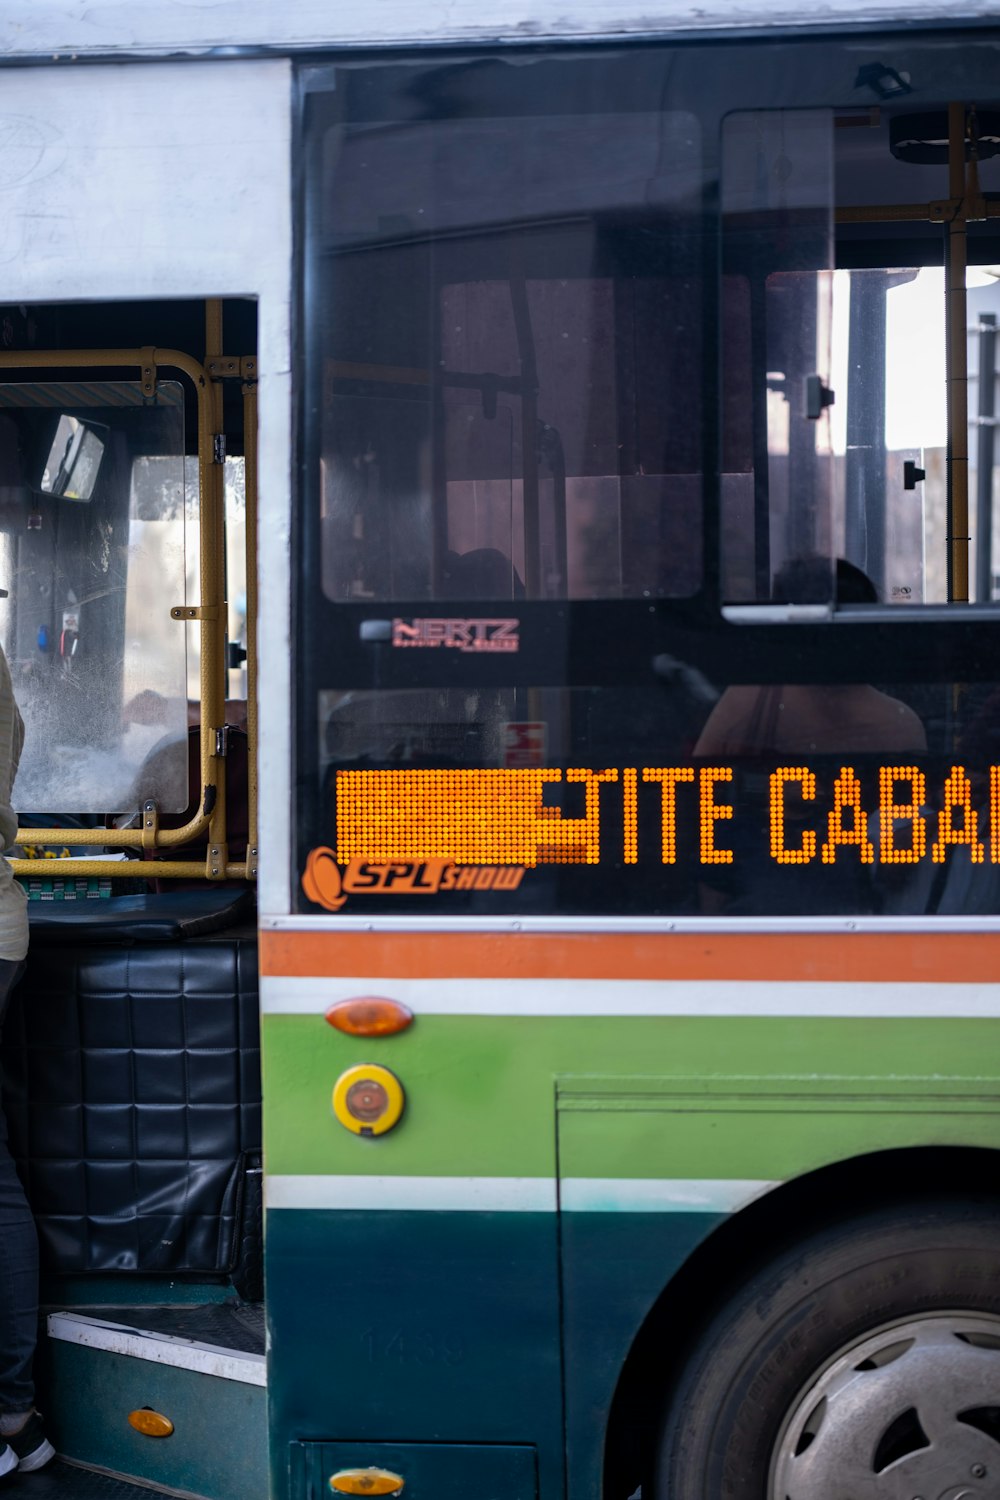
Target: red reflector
(369,1015)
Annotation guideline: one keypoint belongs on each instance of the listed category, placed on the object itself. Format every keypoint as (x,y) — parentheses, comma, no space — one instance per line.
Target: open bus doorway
(131,1050)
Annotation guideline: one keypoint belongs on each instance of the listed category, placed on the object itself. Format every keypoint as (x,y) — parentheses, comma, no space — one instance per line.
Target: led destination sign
(895,814)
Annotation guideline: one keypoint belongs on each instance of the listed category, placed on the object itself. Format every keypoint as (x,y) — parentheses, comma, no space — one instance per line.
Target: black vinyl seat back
(131,1083)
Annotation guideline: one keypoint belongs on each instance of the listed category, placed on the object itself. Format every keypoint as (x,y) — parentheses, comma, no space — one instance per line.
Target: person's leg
(18,1295)
(18,1263)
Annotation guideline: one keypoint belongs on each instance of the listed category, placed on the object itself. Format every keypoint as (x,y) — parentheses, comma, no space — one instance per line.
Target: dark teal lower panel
(218,1447)
(615,1266)
(414,1327)
(445,1328)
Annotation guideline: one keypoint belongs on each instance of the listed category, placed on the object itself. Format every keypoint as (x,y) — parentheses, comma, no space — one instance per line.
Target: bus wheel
(865,1362)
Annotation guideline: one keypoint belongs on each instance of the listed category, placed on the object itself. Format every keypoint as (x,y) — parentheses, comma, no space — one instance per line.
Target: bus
(499,529)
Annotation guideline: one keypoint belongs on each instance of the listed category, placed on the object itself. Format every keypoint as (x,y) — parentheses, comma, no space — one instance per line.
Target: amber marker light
(150,1423)
(368,1099)
(369,1015)
(366,1482)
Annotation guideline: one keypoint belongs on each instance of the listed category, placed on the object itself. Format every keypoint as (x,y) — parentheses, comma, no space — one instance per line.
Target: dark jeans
(18,1261)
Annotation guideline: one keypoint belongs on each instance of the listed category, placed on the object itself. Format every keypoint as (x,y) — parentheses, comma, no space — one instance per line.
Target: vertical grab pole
(213,631)
(250,451)
(956,250)
(208,595)
(984,456)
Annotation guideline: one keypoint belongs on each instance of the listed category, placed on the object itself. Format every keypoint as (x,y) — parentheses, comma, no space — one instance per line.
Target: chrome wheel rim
(909,1412)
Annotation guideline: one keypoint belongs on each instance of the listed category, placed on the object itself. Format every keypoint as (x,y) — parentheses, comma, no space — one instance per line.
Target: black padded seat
(164,917)
(131,1081)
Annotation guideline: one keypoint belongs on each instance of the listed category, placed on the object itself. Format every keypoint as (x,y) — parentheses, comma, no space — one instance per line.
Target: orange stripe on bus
(926,957)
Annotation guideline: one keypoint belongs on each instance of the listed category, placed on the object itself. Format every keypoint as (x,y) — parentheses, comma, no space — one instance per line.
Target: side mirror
(74,460)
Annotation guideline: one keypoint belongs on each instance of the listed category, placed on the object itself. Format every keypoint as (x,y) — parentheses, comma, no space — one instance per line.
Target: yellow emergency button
(368,1099)
(366,1482)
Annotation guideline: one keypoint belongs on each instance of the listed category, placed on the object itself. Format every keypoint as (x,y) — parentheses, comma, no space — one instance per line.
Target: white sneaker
(31,1447)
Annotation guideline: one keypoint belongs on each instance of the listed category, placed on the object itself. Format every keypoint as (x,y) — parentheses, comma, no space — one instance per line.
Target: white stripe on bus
(515,1194)
(722,1195)
(289,996)
(477,1194)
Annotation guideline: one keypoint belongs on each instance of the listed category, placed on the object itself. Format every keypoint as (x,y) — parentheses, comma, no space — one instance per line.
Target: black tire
(792,1318)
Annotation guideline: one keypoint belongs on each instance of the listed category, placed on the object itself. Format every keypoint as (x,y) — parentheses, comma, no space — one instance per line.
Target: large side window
(518,690)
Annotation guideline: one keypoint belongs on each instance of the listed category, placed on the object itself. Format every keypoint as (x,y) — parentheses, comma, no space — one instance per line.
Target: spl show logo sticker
(328,884)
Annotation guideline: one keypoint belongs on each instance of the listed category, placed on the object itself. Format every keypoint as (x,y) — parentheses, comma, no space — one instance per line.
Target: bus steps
(201,1366)
(61,1480)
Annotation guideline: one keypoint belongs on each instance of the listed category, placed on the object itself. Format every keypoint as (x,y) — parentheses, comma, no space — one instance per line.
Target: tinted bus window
(507,325)
(586,388)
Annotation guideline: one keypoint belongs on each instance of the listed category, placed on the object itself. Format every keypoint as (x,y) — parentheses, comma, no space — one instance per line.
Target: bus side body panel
(444,1300)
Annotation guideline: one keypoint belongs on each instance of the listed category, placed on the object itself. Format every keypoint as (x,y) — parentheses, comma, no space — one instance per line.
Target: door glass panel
(93,561)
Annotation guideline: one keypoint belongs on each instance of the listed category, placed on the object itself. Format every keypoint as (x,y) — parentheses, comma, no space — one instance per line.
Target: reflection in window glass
(509,320)
(74,459)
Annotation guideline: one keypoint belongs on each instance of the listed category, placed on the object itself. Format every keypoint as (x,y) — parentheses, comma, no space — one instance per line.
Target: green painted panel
(481,1089)
(773,1132)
